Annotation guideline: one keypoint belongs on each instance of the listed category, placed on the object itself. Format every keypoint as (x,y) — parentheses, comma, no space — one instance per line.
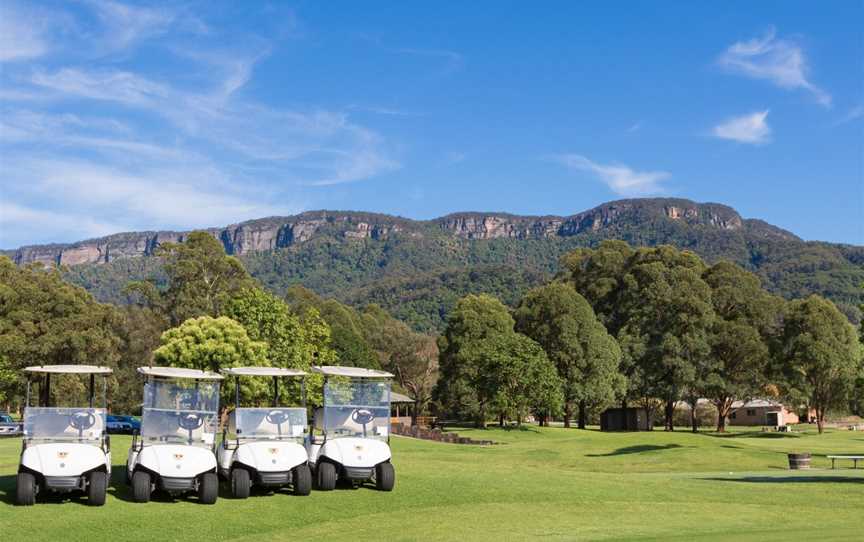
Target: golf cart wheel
(25,493)
(241,483)
(385,477)
(208,488)
(326,476)
(302,479)
(97,488)
(141,486)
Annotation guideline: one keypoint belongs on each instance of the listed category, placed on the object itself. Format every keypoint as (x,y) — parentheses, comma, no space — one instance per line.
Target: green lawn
(550,484)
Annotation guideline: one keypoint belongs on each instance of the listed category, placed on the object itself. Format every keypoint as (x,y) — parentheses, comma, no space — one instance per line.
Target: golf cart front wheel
(141,486)
(385,477)
(25,493)
(97,488)
(240,483)
(326,476)
(302,479)
(208,488)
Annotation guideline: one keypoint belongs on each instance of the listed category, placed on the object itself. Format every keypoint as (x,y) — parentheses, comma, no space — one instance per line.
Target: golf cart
(64,449)
(354,422)
(265,446)
(174,449)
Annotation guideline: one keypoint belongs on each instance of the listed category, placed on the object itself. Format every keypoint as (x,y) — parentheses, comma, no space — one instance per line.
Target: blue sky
(131,116)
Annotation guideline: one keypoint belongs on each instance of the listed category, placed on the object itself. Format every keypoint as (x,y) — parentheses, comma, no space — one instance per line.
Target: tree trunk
(501,420)
(414,412)
(583,407)
(626,418)
(820,419)
(670,411)
(568,413)
(694,425)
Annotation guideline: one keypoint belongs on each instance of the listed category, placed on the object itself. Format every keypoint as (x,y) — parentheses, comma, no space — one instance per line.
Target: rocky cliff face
(280,232)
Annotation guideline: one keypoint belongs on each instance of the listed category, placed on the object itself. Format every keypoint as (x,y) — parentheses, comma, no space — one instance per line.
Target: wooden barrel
(799,461)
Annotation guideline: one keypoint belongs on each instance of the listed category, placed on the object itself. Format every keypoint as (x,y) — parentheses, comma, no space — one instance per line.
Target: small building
(763,412)
(400,408)
(624,419)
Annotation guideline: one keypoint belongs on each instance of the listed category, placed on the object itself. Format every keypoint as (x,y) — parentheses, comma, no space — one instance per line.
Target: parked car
(122,424)
(9,427)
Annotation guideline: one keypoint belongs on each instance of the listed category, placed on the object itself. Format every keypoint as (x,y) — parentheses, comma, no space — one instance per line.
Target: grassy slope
(552,483)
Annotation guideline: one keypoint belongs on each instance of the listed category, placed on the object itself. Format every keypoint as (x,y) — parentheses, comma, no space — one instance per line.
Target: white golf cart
(265,446)
(174,449)
(64,449)
(354,422)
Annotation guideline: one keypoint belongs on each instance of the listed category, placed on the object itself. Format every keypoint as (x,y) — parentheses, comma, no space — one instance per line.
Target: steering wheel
(190,421)
(362,416)
(277,418)
(82,420)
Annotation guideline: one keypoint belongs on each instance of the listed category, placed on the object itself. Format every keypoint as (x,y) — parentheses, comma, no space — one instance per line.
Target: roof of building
(179,372)
(396,397)
(757,403)
(262,371)
(351,372)
(69,369)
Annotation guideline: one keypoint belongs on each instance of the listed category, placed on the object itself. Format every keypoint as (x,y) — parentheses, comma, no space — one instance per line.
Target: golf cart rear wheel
(97,488)
(241,483)
(385,476)
(302,480)
(208,488)
(326,476)
(141,486)
(25,493)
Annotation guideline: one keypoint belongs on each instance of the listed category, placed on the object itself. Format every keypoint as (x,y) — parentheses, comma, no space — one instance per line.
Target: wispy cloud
(451,60)
(751,128)
(455,157)
(619,178)
(780,61)
(853,114)
(25,31)
(127,24)
(634,127)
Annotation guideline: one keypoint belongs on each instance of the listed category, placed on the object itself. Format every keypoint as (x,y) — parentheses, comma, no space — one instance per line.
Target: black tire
(326,476)
(208,488)
(385,477)
(97,488)
(241,483)
(301,477)
(141,486)
(25,492)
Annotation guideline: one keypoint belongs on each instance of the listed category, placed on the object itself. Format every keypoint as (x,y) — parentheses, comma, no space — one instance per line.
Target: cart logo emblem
(358,447)
(62,455)
(274,450)
(178,457)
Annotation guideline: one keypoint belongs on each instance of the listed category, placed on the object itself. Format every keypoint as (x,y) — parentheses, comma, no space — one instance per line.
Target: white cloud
(780,61)
(126,25)
(750,128)
(619,178)
(22,33)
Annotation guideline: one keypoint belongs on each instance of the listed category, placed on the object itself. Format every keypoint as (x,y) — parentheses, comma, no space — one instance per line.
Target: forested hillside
(418,269)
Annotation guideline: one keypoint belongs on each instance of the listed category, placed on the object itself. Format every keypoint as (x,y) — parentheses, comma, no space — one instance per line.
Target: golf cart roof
(351,372)
(69,369)
(178,372)
(262,371)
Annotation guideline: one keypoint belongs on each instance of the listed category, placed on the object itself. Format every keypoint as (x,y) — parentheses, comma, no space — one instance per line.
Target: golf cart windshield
(52,424)
(269,423)
(356,408)
(180,411)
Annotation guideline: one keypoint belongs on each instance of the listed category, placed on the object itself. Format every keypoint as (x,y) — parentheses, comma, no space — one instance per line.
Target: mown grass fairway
(550,484)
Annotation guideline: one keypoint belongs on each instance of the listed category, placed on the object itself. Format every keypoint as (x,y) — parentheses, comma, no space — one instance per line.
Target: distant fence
(434,434)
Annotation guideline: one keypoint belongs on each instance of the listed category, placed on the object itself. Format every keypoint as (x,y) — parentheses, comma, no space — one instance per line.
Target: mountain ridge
(275,232)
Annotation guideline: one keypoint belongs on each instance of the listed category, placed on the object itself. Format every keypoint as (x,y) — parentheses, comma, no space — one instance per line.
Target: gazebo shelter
(400,409)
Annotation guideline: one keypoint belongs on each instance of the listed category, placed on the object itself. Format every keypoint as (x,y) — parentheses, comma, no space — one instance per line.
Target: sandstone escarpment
(280,232)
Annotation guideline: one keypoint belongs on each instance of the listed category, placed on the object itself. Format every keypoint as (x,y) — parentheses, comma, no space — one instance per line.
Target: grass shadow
(790,479)
(637,450)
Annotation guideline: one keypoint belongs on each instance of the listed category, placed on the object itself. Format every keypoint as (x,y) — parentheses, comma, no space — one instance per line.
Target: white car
(65,449)
(174,450)
(9,427)
(354,426)
(265,446)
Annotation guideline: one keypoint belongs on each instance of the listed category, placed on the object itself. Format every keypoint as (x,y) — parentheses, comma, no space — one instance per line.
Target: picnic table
(853,458)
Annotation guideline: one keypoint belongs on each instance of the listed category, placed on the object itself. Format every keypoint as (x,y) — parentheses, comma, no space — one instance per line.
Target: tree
(46,321)
(201,279)
(821,354)
(656,304)
(747,321)
(476,322)
(211,344)
(515,378)
(140,331)
(585,355)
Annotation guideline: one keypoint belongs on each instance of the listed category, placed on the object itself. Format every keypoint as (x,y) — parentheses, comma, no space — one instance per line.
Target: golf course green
(536,483)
